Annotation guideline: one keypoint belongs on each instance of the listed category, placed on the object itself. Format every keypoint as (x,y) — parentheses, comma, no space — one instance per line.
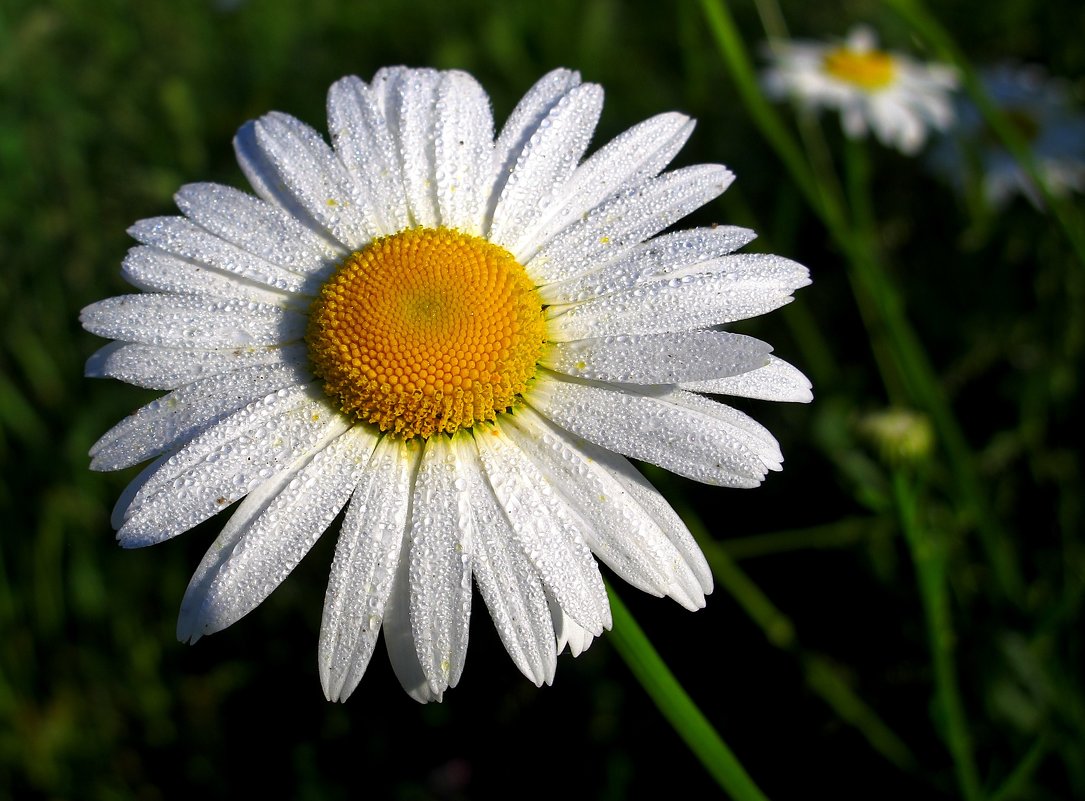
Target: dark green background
(106,108)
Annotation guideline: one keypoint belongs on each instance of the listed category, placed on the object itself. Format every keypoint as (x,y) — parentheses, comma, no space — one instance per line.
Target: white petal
(657,257)
(652,428)
(233,581)
(569,632)
(227,462)
(463,151)
(522,123)
(153,270)
(410,116)
(156,367)
(509,585)
(776,381)
(263,229)
(363,142)
(656,507)
(548,533)
(619,531)
(719,291)
(627,219)
(440,565)
(191,321)
(399,637)
(658,358)
(288,163)
(545,163)
(630,158)
(165,423)
(758,438)
(364,568)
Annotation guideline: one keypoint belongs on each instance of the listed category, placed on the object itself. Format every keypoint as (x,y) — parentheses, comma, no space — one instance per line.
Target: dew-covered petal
(364,568)
(547,531)
(158,367)
(399,636)
(627,219)
(568,631)
(226,462)
(440,565)
(630,158)
(544,164)
(363,142)
(288,163)
(522,123)
(411,117)
(463,151)
(619,531)
(657,507)
(719,291)
(154,270)
(165,423)
(775,381)
(509,585)
(235,580)
(192,321)
(263,229)
(669,358)
(654,428)
(657,257)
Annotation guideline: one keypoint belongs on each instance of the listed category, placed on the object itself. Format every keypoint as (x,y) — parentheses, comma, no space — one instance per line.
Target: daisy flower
(896,96)
(457,338)
(1041,110)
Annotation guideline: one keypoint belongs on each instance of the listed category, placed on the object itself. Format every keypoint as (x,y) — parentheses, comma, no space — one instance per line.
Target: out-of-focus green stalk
(1014,784)
(838,534)
(928,28)
(820,674)
(930,565)
(653,674)
(877,297)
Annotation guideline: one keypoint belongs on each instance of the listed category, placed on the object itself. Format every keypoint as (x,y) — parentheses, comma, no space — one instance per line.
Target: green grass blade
(677,707)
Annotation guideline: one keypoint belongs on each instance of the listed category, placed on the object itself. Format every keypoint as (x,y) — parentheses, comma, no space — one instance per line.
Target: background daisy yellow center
(868,69)
(425,331)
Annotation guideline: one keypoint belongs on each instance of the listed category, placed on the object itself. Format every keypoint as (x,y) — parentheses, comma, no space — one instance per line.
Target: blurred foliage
(814,656)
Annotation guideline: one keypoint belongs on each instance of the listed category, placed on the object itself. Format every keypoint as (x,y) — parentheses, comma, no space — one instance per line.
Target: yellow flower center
(867,69)
(425,331)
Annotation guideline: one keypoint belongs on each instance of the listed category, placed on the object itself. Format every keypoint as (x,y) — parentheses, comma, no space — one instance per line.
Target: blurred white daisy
(1042,112)
(895,96)
(453,337)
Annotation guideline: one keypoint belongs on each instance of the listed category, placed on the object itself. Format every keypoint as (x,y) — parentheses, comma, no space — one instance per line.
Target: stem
(657,680)
(930,565)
